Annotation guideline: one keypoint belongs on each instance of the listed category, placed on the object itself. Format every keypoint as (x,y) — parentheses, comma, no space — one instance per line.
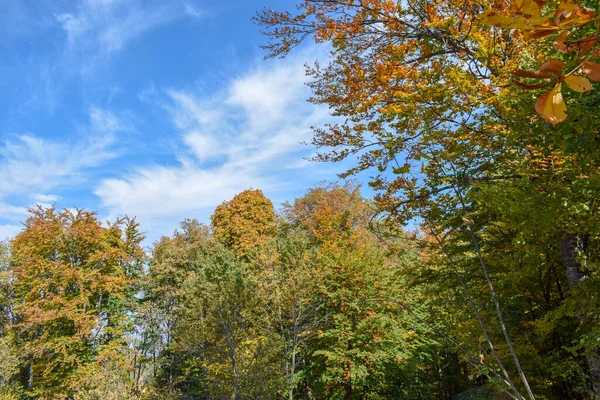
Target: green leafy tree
(366,342)
(290,296)
(213,340)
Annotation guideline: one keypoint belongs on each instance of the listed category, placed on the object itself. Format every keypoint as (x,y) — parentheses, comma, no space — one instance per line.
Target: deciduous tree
(75,282)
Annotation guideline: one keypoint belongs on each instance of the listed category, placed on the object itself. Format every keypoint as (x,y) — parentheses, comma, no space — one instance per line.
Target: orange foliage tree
(337,217)
(74,285)
(244,223)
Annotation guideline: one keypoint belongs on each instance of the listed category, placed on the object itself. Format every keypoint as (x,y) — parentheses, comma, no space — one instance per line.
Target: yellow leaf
(579,83)
(591,70)
(493,18)
(526,8)
(551,106)
(565,6)
(500,20)
(468,221)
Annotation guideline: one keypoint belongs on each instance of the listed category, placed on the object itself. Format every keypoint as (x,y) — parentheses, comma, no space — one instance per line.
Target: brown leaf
(570,13)
(524,73)
(551,106)
(559,43)
(579,84)
(554,66)
(591,70)
(527,86)
(539,33)
(585,45)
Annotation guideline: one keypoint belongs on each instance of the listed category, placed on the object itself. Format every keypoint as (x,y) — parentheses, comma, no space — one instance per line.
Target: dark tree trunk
(349,392)
(569,248)
(568,251)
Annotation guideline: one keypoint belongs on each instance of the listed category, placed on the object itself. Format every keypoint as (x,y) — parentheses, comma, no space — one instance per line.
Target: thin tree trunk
(476,312)
(500,316)
(348,391)
(457,190)
(30,380)
(292,371)
(568,249)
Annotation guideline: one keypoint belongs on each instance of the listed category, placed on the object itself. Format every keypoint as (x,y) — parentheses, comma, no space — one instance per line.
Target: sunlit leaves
(578,83)
(74,286)
(245,222)
(526,16)
(551,107)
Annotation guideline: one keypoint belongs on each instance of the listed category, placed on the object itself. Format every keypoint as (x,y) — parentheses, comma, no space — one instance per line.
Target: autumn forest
(472,273)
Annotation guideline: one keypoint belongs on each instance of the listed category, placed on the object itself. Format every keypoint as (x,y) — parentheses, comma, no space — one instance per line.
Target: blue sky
(159,109)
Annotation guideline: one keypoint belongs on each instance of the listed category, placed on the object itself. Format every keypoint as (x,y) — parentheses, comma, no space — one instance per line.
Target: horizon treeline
(315,301)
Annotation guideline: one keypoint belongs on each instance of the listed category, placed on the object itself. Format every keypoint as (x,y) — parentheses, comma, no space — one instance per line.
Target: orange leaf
(579,84)
(591,70)
(552,66)
(551,106)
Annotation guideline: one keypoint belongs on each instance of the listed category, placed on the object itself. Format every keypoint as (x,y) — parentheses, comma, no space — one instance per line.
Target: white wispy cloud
(97,29)
(31,164)
(81,39)
(248,135)
(44,198)
(193,10)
